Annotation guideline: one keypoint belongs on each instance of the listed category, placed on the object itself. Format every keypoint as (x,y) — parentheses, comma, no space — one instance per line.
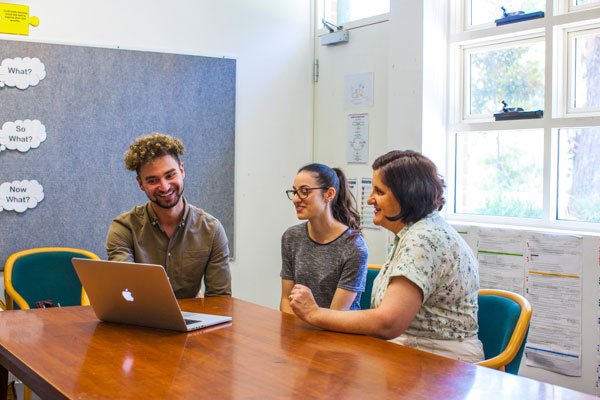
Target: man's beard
(166,206)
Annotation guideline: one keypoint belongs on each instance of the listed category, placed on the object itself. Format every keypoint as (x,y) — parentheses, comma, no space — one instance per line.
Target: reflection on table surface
(67,353)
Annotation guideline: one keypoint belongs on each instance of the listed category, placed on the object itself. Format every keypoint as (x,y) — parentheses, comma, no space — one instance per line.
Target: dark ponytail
(343,205)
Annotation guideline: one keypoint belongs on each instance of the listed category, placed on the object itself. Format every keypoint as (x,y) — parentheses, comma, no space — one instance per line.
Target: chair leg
(26,393)
(11,392)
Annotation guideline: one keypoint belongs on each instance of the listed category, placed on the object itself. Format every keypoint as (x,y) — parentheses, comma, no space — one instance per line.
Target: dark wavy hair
(414,182)
(343,205)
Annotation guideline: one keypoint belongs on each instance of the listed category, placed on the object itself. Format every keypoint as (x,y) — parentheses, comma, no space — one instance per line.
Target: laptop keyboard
(191,321)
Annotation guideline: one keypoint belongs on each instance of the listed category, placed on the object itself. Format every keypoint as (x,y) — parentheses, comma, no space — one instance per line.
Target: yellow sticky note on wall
(14,19)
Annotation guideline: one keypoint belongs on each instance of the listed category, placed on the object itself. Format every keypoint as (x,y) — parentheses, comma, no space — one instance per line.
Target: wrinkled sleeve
(417,263)
(119,243)
(354,272)
(217,278)
(287,264)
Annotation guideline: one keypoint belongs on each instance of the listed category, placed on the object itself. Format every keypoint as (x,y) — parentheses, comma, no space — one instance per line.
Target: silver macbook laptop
(137,294)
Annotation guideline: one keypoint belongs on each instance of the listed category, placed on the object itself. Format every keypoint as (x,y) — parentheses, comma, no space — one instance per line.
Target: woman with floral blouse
(425,295)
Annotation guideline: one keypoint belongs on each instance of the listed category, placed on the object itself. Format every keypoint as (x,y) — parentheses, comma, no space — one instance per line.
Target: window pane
(579,174)
(514,74)
(485,11)
(340,12)
(586,90)
(500,173)
(582,2)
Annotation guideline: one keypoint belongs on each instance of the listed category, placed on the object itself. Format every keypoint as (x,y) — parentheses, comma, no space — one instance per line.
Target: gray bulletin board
(93,103)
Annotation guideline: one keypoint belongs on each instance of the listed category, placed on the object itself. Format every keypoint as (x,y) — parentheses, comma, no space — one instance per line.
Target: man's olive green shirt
(198,249)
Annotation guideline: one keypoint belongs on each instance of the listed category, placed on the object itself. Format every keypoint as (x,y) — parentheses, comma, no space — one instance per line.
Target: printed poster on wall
(358,90)
(353,185)
(501,260)
(553,287)
(357,146)
(367,212)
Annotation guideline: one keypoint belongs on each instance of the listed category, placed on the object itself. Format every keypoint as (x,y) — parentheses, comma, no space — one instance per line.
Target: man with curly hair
(190,243)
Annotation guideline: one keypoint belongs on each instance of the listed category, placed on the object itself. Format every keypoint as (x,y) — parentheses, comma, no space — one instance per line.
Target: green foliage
(585,208)
(581,164)
(513,74)
(503,205)
(509,177)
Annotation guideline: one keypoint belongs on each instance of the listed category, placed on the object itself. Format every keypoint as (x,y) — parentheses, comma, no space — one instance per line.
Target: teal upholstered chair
(503,326)
(44,274)
(365,299)
(40,274)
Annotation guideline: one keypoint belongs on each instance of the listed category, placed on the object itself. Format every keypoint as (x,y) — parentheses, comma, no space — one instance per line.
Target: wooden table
(67,353)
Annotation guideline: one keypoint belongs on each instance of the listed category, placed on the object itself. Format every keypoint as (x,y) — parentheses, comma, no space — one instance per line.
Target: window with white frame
(480,12)
(340,12)
(529,171)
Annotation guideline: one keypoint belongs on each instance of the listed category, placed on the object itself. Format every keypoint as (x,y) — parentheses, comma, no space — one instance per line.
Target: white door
(365,52)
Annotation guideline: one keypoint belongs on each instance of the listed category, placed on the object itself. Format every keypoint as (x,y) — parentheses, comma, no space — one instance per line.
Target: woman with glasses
(327,253)
(425,295)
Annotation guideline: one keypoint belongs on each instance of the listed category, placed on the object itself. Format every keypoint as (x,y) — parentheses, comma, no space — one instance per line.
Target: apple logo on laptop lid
(127,295)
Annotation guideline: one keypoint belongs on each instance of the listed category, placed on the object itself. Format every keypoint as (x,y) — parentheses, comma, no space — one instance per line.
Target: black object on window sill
(517,16)
(509,113)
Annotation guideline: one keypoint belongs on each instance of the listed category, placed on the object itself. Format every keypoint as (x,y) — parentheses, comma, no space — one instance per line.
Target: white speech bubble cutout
(22,135)
(20,195)
(21,72)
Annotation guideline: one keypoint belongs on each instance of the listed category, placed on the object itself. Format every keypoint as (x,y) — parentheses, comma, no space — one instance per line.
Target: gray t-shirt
(341,263)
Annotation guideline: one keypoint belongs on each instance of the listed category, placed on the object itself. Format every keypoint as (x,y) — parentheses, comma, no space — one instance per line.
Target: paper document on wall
(468,233)
(501,260)
(358,90)
(462,230)
(598,375)
(353,185)
(553,286)
(367,212)
(357,144)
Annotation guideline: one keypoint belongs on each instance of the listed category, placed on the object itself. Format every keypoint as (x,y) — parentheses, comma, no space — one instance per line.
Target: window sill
(566,227)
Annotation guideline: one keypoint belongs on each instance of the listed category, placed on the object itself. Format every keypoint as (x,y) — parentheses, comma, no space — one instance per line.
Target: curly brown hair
(149,147)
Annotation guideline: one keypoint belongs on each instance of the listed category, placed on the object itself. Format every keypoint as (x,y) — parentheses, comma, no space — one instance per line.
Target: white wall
(272,42)
(405,66)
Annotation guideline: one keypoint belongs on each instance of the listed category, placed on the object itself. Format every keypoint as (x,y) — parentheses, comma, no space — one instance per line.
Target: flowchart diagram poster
(91,104)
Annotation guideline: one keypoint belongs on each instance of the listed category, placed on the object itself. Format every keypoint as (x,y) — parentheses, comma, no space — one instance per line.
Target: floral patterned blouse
(432,255)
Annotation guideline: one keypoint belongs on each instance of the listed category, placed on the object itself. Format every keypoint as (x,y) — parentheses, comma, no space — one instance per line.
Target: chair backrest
(43,274)
(365,299)
(503,327)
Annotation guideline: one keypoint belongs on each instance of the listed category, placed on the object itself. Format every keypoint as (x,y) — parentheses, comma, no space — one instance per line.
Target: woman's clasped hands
(303,303)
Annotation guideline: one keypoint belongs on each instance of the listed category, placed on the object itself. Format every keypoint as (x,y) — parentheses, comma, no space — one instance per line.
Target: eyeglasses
(302,193)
